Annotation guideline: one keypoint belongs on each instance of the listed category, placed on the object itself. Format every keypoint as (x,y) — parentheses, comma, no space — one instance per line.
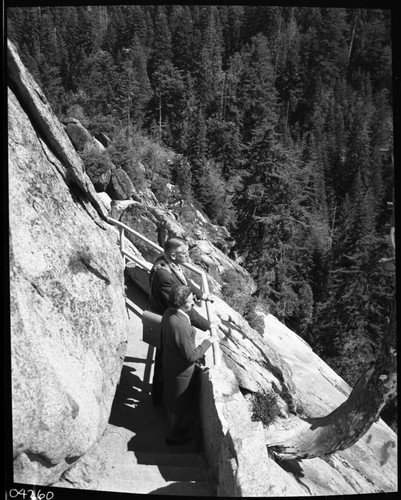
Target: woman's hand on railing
(214,325)
(214,338)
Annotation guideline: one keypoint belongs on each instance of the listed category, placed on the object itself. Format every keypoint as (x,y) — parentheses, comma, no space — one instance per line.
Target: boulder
(103,139)
(106,200)
(69,324)
(118,207)
(99,173)
(121,187)
(81,139)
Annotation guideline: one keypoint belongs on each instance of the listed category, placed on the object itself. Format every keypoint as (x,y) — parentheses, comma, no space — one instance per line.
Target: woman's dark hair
(178,295)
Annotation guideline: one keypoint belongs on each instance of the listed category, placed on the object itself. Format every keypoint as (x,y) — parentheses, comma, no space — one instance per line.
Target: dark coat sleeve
(182,338)
(198,321)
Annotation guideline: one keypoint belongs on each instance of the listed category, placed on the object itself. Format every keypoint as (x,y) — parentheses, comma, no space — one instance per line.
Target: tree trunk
(352,36)
(316,437)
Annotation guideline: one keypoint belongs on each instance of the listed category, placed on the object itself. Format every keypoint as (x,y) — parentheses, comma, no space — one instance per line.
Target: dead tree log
(317,437)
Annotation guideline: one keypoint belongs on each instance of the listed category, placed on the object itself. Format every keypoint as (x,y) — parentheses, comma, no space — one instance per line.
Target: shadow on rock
(181,489)
(292,466)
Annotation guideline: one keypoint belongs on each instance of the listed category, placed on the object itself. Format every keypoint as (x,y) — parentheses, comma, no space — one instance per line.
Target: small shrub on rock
(160,189)
(265,407)
(233,290)
(98,167)
(255,320)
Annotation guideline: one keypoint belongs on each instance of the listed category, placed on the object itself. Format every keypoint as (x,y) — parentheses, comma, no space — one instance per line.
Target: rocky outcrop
(69,322)
(103,139)
(99,172)
(105,176)
(51,131)
(82,140)
(120,187)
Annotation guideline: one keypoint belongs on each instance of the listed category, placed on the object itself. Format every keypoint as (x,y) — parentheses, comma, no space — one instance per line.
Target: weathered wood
(316,437)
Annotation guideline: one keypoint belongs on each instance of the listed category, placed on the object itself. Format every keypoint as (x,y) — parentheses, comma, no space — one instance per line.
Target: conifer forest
(281,123)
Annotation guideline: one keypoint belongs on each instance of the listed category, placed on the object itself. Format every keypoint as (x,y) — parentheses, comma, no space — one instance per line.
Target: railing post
(209,312)
(122,242)
(215,346)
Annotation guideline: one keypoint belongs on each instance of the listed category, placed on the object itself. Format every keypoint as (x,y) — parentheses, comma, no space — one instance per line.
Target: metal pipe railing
(204,286)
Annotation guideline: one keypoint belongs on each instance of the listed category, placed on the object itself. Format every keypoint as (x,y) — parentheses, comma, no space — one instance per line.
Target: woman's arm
(182,336)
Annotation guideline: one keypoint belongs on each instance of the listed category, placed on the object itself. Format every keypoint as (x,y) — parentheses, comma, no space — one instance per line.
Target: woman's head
(181,297)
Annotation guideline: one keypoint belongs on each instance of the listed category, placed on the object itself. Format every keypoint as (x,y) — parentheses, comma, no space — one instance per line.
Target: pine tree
(161,48)
(268,215)
(288,73)
(142,90)
(99,83)
(257,91)
(182,38)
(169,103)
(209,75)
(232,21)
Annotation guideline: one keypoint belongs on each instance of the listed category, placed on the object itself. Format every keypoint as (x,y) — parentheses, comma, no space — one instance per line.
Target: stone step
(170,472)
(177,459)
(153,479)
(188,489)
(198,489)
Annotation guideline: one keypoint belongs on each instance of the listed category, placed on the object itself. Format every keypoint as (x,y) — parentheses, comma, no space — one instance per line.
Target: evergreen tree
(209,75)
(182,178)
(257,91)
(224,130)
(99,83)
(142,90)
(268,214)
(232,22)
(288,73)
(161,49)
(168,104)
(182,38)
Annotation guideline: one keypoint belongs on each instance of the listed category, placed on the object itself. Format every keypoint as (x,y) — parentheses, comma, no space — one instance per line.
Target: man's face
(188,304)
(180,255)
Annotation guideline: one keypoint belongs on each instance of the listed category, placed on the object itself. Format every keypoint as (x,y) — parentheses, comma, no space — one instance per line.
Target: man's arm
(198,321)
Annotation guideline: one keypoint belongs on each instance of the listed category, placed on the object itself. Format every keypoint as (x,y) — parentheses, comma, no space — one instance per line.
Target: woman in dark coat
(178,359)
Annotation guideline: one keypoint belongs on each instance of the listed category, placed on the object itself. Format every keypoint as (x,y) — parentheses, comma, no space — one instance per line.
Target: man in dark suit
(164,275)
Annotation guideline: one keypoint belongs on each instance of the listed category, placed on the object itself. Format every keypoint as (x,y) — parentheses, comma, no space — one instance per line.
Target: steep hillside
(68,328)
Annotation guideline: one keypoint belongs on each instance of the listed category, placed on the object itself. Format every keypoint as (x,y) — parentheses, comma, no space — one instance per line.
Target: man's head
(176,250)
(181,297)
